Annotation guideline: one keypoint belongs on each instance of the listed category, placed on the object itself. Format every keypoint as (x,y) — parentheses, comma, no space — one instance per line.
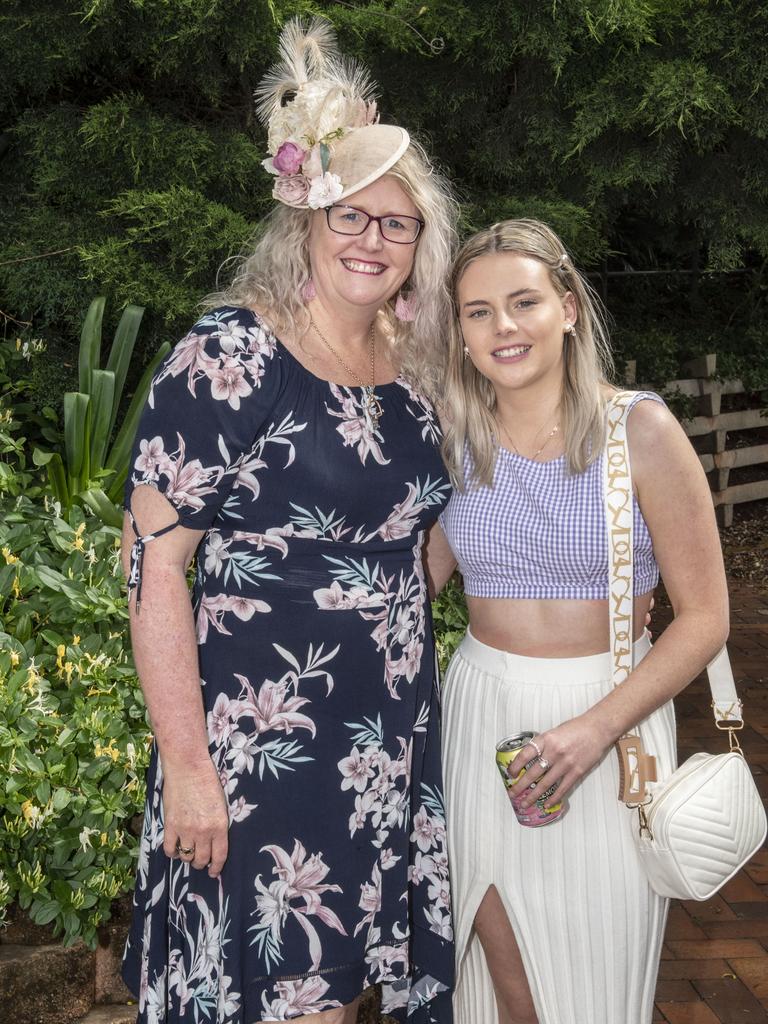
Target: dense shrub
(73,736)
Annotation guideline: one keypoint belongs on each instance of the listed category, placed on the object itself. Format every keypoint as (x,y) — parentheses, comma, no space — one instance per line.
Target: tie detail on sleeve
(137,556)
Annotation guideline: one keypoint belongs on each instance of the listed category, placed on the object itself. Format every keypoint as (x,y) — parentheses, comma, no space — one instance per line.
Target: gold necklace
(538,452)
(371,401)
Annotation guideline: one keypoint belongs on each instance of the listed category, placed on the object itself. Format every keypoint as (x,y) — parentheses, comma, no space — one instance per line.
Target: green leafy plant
(20,360)
(449,613)
(92,471)
(74,742)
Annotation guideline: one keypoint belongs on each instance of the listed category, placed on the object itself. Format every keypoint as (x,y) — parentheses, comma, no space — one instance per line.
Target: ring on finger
(185,851)
(543,762)
(536,747)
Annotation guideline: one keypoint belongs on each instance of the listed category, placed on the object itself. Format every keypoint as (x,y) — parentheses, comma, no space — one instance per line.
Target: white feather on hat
(320,111)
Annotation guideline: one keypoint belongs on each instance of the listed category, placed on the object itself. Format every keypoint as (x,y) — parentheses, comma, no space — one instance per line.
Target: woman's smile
(511,353)
(361,267)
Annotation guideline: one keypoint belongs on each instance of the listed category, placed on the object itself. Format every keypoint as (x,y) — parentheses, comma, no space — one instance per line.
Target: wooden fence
(732,443)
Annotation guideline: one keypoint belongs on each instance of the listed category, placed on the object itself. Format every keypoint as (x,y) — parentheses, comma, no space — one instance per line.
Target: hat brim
(366,154)
(361,157)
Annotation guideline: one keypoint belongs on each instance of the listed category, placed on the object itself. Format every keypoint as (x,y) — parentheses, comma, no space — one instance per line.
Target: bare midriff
(547,628)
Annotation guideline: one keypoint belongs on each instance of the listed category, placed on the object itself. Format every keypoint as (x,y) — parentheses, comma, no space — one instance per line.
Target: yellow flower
(30,812)
(61,650)
(32,678)
(104,838)
(75,639)
(78,544)
(109,751)
(9,557)
(14,659)
(16,587)
(68,668)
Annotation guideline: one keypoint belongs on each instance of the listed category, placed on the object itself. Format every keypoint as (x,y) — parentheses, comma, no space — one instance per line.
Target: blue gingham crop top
(539,531)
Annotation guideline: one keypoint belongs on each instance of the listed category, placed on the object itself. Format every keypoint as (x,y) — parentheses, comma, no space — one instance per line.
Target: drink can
(537,814)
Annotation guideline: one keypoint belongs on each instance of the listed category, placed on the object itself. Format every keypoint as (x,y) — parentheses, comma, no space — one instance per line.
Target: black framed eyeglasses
(348,220)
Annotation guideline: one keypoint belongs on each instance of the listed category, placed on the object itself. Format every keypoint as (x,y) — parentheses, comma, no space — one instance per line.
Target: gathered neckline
(399,379)
(531,462)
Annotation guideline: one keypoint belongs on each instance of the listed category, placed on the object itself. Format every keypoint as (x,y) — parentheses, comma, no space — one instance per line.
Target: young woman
(556,924)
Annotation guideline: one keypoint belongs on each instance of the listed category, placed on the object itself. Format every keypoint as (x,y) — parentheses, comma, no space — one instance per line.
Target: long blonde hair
(271,279)
(468,396)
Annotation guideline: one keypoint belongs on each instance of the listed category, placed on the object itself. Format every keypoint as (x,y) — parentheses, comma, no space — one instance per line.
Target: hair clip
(562,261)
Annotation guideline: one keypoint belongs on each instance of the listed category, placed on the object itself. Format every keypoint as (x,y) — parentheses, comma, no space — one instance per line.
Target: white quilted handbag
(700,826)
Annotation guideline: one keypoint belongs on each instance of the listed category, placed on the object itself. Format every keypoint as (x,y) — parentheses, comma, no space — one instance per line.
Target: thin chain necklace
(538,452)
(371,401)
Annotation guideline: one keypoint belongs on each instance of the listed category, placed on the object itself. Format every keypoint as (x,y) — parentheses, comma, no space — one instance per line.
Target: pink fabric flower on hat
(291,189)
(289,158)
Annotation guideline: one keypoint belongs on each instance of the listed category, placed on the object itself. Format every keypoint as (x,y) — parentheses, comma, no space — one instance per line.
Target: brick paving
(714,967)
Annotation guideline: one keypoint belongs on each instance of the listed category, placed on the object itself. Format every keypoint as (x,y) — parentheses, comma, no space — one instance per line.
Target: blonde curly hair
(272,278)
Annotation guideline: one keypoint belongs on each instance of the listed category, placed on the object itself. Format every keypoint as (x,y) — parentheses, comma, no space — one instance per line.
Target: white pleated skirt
(588,925)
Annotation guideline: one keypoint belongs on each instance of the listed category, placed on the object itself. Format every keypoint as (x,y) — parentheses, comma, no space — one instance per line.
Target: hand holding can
(537,814)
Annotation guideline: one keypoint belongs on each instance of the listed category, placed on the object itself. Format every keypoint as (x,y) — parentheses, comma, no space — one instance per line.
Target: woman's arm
(165,651)
(439,560)
(677,506)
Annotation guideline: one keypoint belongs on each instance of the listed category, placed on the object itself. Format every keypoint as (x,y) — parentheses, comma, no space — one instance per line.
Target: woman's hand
(196,816)
(562,755)
(651,606)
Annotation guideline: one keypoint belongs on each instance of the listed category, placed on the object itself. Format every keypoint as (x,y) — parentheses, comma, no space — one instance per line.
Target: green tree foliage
(636,127)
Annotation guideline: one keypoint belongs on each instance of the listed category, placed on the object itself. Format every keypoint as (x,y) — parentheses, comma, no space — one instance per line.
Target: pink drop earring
(405,308)
(309,292)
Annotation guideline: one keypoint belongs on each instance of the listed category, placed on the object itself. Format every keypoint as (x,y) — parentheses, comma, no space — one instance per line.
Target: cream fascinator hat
(324,138)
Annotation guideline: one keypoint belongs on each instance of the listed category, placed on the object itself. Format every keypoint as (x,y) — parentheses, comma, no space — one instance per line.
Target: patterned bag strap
(617,480)
(617,483)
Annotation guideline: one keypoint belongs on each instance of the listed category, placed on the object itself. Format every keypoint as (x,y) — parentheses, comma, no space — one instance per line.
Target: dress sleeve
(206,406)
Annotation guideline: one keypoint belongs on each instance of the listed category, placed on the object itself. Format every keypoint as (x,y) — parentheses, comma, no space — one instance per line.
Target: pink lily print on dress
(304,996)
(239,727)
(370,899)
(236,354)
(197,985)
(355,426)
(300,879)
(211,611)
(431,861)
(380,783)
(190,355)
(425,415)
(187,483)
(398,611)
(254,460)
(402,520)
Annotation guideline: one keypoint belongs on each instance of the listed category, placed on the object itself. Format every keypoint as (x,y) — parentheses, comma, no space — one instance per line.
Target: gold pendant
(372,406)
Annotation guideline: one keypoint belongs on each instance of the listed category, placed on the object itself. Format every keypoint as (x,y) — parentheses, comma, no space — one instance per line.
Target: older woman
(294,849)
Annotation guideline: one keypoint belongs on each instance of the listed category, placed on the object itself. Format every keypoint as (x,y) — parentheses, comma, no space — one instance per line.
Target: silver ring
(536,747)
(543,762)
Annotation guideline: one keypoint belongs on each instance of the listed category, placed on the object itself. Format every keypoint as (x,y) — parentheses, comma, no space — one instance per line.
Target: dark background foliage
(129,151)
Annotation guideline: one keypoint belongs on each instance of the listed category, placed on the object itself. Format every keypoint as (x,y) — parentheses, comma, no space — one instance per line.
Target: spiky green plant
(93,467)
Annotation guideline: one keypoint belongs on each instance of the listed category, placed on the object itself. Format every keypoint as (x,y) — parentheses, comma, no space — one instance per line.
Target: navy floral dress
(318,680)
